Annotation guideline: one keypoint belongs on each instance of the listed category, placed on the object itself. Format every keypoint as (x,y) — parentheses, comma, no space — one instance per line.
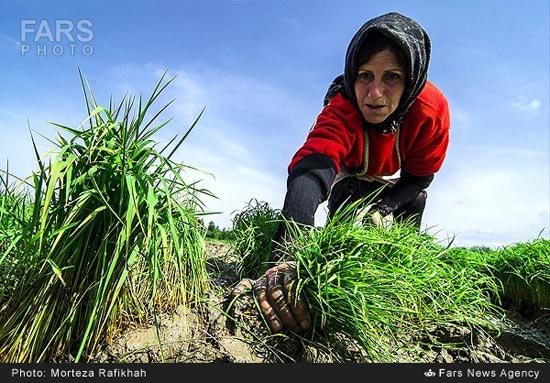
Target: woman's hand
(276,294)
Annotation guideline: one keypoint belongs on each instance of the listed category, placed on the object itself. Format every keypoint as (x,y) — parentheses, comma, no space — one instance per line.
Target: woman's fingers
(276,295)
(260,291)
(278,299)
(244,285)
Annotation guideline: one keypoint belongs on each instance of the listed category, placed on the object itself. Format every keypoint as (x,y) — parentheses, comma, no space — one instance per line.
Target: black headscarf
(415,43)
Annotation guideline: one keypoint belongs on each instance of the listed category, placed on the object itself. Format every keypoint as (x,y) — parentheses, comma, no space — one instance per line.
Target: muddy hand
(243,286)
(276,294)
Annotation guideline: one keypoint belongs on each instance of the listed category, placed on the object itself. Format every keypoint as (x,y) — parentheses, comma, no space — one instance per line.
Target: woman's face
(379,85)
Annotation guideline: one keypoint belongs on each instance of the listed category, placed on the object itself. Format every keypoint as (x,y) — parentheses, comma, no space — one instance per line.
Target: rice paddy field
(105,257)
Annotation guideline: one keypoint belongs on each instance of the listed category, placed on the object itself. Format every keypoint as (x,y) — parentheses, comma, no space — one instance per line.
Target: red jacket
(422,139)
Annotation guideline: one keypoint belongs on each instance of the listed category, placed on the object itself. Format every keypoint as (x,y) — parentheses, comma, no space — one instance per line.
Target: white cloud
(234,177)
(241,142)
(234,188)
(9,42)
(528,106)
(492,197)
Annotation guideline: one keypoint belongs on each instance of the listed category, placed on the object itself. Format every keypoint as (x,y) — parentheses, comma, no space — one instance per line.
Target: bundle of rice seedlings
(524,270)
(254,229)
(478,259)
(113,236)
(385,287)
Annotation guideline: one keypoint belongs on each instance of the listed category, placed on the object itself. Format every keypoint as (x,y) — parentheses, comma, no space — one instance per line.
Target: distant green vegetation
(214,232)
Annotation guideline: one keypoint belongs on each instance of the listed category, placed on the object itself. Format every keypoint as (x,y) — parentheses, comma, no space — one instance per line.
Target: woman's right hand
(275,292)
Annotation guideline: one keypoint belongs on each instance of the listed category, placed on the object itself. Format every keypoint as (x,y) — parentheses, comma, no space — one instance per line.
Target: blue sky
(261,68)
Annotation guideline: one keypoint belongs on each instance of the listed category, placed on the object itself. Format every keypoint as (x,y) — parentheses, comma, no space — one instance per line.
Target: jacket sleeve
(308,185)
(427,140)
(334,134)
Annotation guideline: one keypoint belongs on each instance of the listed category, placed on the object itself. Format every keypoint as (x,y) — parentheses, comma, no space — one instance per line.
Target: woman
(383,131)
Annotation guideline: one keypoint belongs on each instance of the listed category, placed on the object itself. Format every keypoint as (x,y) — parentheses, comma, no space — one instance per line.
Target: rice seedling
(254,228)
(385,287)
(112,235)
